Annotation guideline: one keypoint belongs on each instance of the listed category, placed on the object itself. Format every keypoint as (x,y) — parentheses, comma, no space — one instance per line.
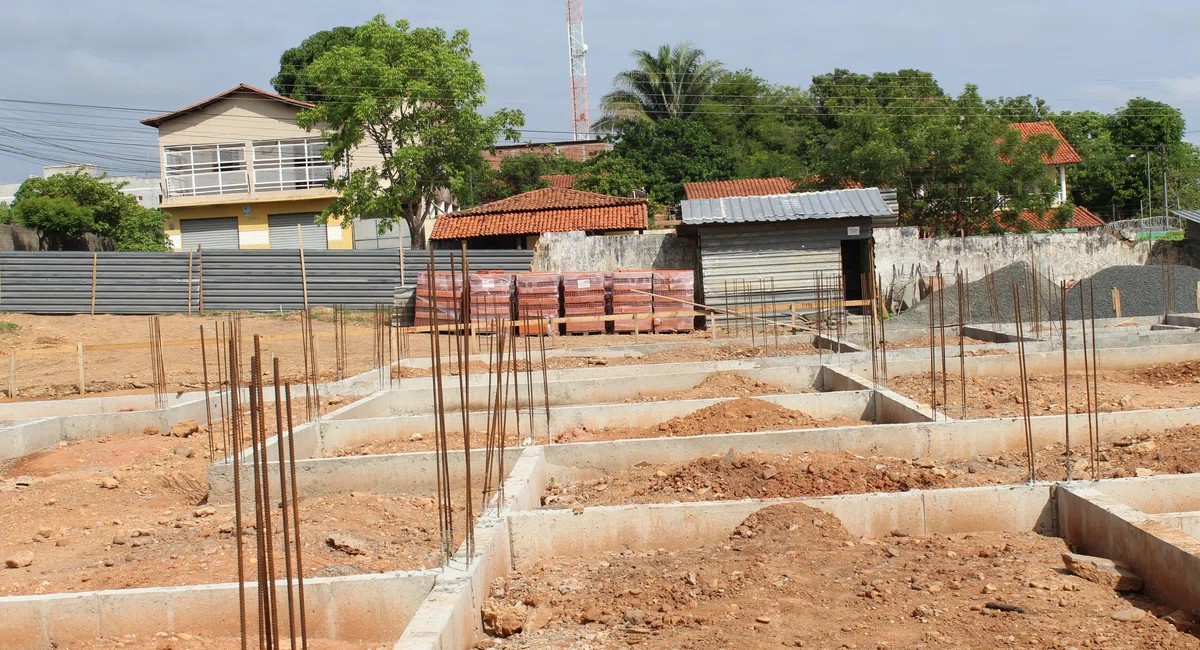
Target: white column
(1062,183)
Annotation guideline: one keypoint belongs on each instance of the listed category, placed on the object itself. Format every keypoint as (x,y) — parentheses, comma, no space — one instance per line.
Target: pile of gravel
(980,308)
(1141,291)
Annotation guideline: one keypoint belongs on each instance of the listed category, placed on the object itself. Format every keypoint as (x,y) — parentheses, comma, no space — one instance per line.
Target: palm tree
(668,84)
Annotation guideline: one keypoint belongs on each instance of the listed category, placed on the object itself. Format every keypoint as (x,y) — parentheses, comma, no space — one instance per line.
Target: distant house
(147,191)
(238,172)
(1056,164)
(574,150)
(781,247)
(518,221)
(744,187)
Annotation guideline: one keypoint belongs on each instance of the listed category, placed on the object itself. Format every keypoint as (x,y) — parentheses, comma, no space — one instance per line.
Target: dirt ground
(154,528)
(185,641)
(734,476)
(741,415)
(683,354)
(56,375)
(1125,390)
(922,342)
(791,576)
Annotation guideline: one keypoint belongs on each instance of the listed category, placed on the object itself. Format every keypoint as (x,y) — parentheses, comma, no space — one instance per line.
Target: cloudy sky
(136,57)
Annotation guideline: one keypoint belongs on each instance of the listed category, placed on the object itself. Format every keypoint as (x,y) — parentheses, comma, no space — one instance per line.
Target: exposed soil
(1124,390)
(154,529)
(185,641)
(922,342)
(724,383)
(791,576)
(742,415)
(734,476)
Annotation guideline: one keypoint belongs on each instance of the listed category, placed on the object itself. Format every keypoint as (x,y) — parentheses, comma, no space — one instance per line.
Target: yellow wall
(253,231)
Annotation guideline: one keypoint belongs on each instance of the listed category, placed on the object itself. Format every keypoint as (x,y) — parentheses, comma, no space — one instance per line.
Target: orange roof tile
(743,187)
(561,181)
(1083,218)
(1064,155)
(246,88)
(549,209)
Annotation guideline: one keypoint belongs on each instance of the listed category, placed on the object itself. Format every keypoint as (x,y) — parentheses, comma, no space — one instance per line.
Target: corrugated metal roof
(1190,215)
(833,204)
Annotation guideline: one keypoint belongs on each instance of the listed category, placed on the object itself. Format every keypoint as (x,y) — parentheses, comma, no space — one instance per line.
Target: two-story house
(238,172)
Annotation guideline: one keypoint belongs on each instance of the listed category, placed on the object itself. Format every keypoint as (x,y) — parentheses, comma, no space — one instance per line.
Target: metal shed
(750,246)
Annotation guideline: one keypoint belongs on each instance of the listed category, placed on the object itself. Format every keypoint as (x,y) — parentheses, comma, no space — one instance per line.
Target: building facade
(238,172)
(147,191)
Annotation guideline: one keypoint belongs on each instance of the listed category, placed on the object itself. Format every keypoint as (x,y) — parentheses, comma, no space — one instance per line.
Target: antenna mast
(577,49)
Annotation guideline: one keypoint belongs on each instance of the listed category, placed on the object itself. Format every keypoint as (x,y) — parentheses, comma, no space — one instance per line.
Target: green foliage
(66,206)
(524,173)
(611,174)
(672,152)
(5,213)
(413,95)
(1025,108)
(670,83)
(7,327)
(289,81)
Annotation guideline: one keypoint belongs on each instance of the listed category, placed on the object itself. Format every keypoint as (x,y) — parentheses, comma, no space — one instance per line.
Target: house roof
(240,88)
(833,204)
(744,187)
(1083,218)
(561,181)
(550,209)
(575,150)
(1064,155)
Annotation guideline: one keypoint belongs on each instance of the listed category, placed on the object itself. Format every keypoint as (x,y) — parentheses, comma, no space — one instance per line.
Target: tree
(672,152)
(289,81)
(413,96)
(668,84)
(611,174)
(525,172)
(1025,108)
(66,206)
(955,167)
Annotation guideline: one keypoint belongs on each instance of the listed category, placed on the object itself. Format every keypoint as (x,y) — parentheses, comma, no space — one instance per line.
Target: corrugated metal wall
(789,253)
(285,230)
(52,282)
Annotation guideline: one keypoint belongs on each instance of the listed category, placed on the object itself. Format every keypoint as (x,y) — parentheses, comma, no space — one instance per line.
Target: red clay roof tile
(1083,218)
(743,187)
(1064,155)
(549,209)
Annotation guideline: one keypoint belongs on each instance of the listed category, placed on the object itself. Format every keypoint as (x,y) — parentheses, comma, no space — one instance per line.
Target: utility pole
(1162,150)
(576,50)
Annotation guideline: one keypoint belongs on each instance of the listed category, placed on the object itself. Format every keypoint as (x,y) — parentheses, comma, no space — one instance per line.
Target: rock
(151,430)
(184,429)
(1102,571)
(660,474)
(769,472)
(19,560)
(186,452)
(762,619)
(539,617)
(109,562)
(590,615)
(1142,472)
(1131,615)
(110,483)
(502,620)
(730,457)
(416,437)
(635,616)
(346,544)
(120,540)
(206,511)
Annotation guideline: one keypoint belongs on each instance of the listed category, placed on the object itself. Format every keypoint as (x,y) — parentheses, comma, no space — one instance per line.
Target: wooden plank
(1116,300)
(94,282)
(82,384)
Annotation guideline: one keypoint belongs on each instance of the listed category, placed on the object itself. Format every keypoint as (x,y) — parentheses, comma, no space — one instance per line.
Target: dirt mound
(742,415)
(726,352)
(722,384)
(793,524)
(1169,374)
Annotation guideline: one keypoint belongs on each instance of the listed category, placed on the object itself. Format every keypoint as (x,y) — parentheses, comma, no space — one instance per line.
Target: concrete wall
(572,251)
(1066,256)
(371,608)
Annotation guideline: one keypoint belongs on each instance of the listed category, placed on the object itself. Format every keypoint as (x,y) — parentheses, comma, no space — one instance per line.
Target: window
(290,165)
(206,169)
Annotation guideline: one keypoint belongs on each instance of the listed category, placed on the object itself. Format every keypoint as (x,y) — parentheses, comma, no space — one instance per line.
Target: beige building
(238,172)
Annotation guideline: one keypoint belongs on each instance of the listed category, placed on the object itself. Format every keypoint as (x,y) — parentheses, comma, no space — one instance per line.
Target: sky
(138,58)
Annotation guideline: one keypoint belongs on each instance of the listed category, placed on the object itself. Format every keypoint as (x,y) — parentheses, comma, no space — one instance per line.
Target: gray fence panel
(55,282)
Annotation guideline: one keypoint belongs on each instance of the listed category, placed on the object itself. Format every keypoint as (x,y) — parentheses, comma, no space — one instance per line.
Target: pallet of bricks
(584,295)
(449,296)
(674,284)
(491,299)
(537,298)
(626,300)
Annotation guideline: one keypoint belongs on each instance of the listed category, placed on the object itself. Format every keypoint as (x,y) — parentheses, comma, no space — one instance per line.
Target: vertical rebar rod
(942,338)
(207,398)
(1066,374)
(962,345)
(1024,382)
(1095,375)
(932,355)
(291,444)
(237,498)
(283,505)
(259,524)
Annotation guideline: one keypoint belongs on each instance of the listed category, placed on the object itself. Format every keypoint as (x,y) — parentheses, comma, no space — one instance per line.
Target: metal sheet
(213,234)
(835,204)
(285,234)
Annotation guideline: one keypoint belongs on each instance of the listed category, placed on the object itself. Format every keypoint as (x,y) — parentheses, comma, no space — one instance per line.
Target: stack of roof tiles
(449,295)
(674,284)
(584,295)
(537,298)
(626,301)
(491,299)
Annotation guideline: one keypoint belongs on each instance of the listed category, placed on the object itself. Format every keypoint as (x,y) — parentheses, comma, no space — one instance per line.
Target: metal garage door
(284,233)
(220,232)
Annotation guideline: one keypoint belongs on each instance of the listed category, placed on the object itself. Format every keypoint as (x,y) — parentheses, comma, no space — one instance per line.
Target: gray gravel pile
(1141,291)
(979,306)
